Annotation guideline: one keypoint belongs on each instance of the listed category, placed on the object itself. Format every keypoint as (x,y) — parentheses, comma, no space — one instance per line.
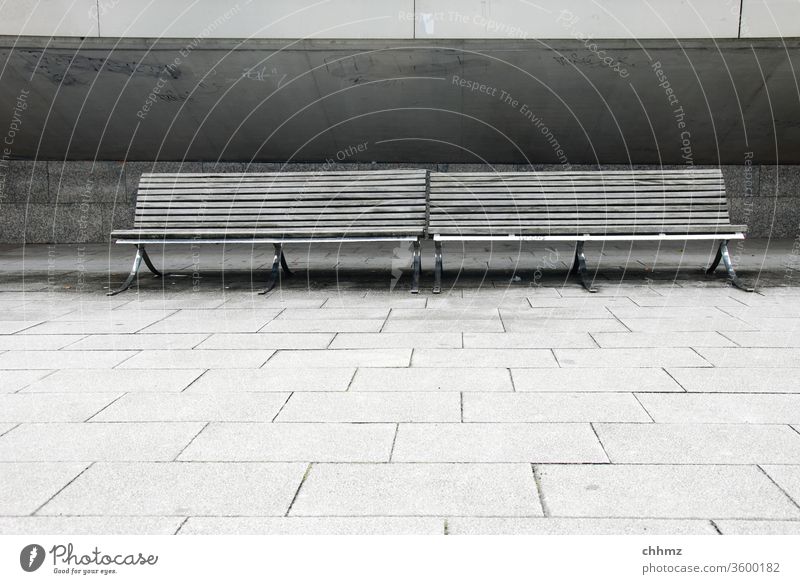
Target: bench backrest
(285,204)
(579,203)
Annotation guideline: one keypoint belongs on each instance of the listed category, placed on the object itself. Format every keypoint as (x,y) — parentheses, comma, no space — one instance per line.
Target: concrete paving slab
(194,407)
(625,379)
(663,491)
(313,526)
(601,358)
(60,442)
(463,358)
(699,443)
(297,442)
(737,379)
(372,407)
(114,381)
(266,341)
(40,407)
(723,408)
(431,379)
(89,525)
(26,486)
(341,358)
(63,359)
(577,526)
(552,407)
(418,490)
(397,340)
(274,379)
(180,489)
(510,442)
(198,359)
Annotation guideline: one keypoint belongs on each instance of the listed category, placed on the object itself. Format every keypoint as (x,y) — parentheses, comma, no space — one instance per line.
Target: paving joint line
(75,478)
(537,479)
(300,486)
(599,441)
(278,413)
(189,443)
(113,401)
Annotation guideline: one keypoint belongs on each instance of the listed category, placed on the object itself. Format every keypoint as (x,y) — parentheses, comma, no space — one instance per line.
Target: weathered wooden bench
(277,208)
(639,205)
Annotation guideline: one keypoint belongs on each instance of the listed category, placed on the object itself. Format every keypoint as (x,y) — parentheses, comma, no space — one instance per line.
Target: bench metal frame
(279,264)
(578,268)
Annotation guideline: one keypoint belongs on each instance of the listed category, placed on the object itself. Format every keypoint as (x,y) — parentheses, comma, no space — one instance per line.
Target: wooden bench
(639,205)
(277,208)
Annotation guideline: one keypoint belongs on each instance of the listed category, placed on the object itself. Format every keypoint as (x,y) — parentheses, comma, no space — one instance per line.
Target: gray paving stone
(115,380)
(313,526)
(600,379)
(198,359)
(292,443)
(372,407)
(11,381)
(69,407)
(723,408)
(661,340)
(686,324)
(4,428)
(341,358)
(755,527)
(28,485)
(531,340)
(440,302)
(737,379)
(670,357)
(418,490)
(111,325)
(135,342)
(556,312)
(784,324)
(97,441)
(577,526)
(700,443)
(36,342)
(274,379)
(668,491)
(184,301)
(324,326)
(443,326)
(695,299)
(657,312)
(556,325)
(63,359)
(771,357)
(467,313)
(267,341)
(371,301)
(396,340)
(89,525)
(194,407)
(431,379)
(206,325)
(507,291)
(766,339)
(180,489)
(334,314)
(497,443)
(552,407)
(483,358)
(782,310)
(787,477)
(9,327)
(272,301)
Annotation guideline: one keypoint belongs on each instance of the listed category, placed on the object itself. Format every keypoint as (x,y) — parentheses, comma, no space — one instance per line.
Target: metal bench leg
(137,263)
(579,268)
(437,270)
(289,273)
(416,267)
(149,263)
(722,254)
(274,276)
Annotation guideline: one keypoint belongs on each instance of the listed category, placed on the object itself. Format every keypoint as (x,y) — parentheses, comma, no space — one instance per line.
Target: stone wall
(82,201)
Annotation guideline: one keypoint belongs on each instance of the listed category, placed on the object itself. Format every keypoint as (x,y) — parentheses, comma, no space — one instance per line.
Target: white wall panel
(259,19)
(551,19)
(771,18)
(48,17)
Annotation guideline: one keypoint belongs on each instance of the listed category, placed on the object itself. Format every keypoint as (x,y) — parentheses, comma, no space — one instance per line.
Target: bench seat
(639,205)
(277,208)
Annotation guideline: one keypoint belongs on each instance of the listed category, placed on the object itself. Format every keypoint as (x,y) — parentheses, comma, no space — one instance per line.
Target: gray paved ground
(666,403)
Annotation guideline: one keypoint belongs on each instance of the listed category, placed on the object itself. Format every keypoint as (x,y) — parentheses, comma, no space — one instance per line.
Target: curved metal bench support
(437,270)
(141,254)
(416,267)
(579,268)
(725,257)
(278,262)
